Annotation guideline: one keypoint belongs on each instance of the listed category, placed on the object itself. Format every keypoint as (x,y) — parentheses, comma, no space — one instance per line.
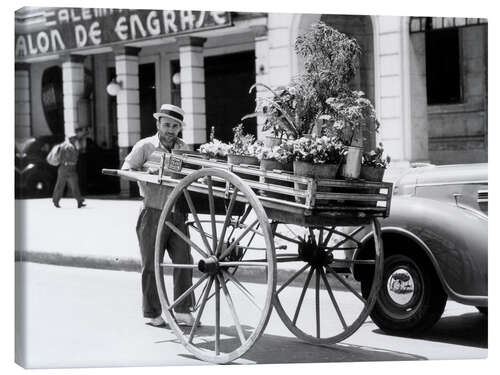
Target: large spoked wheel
(321,302)
(228,249)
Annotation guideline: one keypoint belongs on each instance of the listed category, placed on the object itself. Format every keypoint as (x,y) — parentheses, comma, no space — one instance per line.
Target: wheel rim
(402,294)
(401,287)
(233,315)
(332,320)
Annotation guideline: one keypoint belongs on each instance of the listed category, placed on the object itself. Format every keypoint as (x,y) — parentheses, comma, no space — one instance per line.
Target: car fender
(453,237)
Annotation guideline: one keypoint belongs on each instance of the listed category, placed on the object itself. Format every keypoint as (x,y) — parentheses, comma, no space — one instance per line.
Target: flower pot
(319,171)
(243,159)
(352,166)
(370,173)
(270,165)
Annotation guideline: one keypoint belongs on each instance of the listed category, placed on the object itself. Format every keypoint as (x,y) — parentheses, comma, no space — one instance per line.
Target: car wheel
(411,298)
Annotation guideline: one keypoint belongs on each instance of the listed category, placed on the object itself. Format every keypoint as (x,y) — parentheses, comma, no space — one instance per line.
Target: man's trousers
(178,251)
(69,176)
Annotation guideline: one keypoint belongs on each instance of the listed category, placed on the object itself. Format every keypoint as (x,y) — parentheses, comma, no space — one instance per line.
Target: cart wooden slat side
(239,212)
(343,206)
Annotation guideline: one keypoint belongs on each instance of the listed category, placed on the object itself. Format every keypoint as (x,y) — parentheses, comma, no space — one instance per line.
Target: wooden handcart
(296,235)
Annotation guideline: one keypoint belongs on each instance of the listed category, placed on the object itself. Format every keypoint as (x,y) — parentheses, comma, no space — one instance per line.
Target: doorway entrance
(227,81)
(147,99)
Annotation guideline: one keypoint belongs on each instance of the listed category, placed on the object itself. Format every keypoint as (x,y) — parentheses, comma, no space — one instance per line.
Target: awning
(422,24)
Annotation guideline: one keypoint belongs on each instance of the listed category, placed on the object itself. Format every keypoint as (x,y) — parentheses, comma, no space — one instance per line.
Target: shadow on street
(278,349)
(470,329)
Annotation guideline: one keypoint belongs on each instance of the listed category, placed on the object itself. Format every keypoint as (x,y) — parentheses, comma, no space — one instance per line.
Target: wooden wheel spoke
(289,239)
(320,239)
(318,326)
(227,220)
(233,245)
(204,300)
(232,309)
(211,205)
(187,292)
(311,234)
(294,276)
(298,238)
(302,294)
(332,298)
(197,220)
(217,316)
(186,239)
(355,261)
(244,290)
(244,263)
(241,219)
(179,265)
(328,236)
(343,282)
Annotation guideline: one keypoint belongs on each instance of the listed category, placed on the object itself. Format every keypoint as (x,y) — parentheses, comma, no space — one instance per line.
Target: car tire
(411,298)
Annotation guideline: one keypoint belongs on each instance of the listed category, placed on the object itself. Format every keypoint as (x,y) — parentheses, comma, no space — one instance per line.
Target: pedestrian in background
(65,156)
(169,122)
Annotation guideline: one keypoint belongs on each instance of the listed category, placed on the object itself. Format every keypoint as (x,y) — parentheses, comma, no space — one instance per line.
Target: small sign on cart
(174,164)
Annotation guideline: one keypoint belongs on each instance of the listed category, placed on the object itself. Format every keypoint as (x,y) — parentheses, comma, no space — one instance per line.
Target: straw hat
(171,111)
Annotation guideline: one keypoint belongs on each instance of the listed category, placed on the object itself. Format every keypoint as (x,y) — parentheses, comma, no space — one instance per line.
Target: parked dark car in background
(435,247)
(35,178)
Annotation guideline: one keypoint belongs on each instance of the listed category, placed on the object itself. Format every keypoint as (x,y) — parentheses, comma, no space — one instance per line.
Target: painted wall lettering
(68,29)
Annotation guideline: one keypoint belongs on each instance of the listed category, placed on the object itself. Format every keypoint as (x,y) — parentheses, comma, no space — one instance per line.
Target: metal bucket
(352,166)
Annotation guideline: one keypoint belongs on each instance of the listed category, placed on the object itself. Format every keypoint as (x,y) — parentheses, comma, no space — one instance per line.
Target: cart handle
(110,172)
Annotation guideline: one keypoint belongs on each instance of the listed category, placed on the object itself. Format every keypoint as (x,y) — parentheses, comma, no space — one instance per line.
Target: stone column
(22,101)
(193,89)
(262,69)
(127,103)
(73,73)
(392,91)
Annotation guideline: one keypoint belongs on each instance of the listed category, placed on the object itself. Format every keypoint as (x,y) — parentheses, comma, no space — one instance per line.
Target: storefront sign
(68,29)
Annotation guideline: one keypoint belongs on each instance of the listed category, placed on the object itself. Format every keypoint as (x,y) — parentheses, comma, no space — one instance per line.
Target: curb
(250,274)
(96,262)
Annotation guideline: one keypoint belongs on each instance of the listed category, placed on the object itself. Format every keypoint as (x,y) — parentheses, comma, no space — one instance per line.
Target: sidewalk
(101,235)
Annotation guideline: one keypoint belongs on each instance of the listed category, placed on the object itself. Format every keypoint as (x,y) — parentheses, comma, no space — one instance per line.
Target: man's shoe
(81,204)
(185,319)
(56,204)
(155,322)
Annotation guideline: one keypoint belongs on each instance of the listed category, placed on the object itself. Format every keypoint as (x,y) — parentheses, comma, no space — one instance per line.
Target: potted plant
(374,164)
(275,158)
(243,149)
(320,100)
(214,149)
(317,157)
(349,113)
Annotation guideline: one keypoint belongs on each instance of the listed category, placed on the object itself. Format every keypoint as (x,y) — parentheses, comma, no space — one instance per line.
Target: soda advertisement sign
(69,29)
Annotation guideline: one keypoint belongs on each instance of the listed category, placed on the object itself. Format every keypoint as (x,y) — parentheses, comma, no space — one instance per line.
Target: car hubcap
(401,287)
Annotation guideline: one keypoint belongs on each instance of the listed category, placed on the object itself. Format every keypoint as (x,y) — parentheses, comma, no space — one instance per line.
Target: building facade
(427,77)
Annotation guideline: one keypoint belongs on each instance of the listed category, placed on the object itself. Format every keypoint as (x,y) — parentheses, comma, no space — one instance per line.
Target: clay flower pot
(319,171)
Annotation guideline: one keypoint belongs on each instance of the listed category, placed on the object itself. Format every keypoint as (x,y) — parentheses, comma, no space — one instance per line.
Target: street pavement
(78,317)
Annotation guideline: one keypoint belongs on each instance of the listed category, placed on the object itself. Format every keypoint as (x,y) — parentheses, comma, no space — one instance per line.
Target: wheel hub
(401,286)
(209,265)
(313,254)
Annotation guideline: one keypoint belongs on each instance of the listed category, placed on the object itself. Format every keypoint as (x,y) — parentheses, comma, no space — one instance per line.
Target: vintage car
(435,247)
(34,177)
